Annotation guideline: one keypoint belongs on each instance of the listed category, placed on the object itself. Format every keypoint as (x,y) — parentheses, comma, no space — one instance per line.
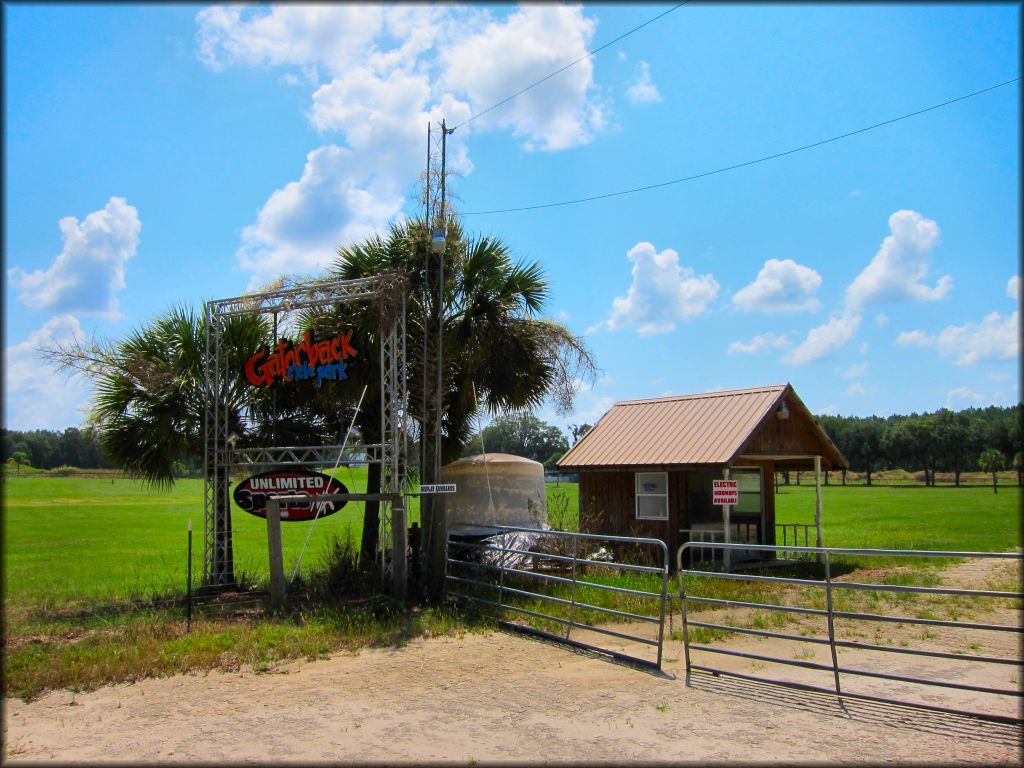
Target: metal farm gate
(501,567)
(884,608)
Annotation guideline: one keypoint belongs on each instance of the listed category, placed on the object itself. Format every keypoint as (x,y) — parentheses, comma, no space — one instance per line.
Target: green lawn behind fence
(68,539)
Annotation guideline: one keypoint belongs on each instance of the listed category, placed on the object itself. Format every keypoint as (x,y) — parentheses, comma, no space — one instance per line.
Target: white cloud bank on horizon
(36,396)
(781,285)
(662,292)
(89,271)
(379,74)
(994,338)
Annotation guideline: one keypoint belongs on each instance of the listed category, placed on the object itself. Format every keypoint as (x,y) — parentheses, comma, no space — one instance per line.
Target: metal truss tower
(225,402)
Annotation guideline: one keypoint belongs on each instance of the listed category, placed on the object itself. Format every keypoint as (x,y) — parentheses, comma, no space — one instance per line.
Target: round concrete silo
(496,489)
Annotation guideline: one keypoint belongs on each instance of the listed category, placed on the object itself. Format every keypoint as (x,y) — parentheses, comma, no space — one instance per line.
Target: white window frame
(640,494)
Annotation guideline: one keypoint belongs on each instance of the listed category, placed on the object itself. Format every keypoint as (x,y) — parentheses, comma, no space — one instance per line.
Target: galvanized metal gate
(830,589)
(507,567)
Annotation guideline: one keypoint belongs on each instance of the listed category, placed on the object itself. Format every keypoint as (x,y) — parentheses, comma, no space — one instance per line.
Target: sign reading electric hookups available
(252,493)
(725,492)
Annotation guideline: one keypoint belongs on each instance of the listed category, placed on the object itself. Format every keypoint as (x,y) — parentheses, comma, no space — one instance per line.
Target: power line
(570,64)
(748,162)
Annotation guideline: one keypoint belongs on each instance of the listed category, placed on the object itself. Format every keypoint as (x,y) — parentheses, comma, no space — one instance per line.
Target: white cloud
(89,271)
(328,35)
(301,225)
(36,396)
(759,343)
(963,393)
(642,90)
(864,347)
(855,193)
(855,371)
(662,292)
(1013,288)
(901,263)
(378,75)
(828,410)
(994,338)
(825,339)
(855,389)
(782,285)
(881,320)
(498,60)
(1000,377)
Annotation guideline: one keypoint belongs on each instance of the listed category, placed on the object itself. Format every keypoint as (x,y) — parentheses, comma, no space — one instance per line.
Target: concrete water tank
(516,488)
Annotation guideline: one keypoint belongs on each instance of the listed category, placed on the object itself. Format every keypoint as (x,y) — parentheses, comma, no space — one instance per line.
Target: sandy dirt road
(481,698)
(503,696)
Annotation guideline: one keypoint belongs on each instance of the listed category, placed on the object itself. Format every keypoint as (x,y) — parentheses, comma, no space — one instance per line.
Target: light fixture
(783,412)
(437,240)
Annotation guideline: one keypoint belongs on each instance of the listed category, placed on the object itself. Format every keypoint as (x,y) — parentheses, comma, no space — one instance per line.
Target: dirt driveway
(503,696)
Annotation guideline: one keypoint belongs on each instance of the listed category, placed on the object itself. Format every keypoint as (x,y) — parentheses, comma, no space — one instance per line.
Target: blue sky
(159,155)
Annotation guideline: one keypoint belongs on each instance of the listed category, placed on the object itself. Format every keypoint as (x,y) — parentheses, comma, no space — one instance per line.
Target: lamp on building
(783,412)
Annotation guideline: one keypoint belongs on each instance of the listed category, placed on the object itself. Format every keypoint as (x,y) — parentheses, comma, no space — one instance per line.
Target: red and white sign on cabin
(725,492)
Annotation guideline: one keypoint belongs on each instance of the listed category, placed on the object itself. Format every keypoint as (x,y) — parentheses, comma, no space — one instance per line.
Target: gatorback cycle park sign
(307,360)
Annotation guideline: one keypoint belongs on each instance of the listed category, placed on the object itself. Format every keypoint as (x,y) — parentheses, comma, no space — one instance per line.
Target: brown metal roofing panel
(707,428)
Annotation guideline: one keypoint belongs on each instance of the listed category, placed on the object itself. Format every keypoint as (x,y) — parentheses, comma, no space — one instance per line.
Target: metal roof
(707,428)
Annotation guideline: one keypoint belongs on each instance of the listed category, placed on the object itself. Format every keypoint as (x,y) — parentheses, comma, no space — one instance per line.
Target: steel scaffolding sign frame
(222,388)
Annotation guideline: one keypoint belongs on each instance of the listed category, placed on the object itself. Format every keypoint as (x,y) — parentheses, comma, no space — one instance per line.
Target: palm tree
(499,354)
(991,460)
(149,397)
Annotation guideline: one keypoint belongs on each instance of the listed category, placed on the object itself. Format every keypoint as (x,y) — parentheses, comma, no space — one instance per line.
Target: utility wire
(748,162)
(570,64)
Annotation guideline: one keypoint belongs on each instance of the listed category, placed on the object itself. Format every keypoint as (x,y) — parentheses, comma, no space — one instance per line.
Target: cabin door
(747,516)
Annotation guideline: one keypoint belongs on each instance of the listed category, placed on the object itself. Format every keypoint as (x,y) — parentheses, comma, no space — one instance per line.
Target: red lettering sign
(308,359)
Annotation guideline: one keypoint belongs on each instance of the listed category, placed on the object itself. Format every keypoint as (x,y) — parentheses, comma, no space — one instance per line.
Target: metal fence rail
(792,533)
(492,568)
(829,586)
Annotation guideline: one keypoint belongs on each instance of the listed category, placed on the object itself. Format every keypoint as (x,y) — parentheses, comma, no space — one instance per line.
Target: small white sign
(725,492)
(438,488)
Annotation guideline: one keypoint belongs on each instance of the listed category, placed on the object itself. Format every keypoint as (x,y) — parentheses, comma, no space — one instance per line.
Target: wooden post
(726,512)
(399,550)
(817,500)
(277,594)
(188,578)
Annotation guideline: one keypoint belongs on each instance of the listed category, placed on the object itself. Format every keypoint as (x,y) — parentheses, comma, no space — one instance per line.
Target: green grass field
(73,539)
(909,517)
(93,540)
(84,543)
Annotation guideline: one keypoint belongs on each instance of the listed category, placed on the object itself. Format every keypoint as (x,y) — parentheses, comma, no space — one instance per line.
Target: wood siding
(608,505)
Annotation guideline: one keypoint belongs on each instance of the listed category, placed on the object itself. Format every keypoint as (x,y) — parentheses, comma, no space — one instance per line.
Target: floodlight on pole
(437,240)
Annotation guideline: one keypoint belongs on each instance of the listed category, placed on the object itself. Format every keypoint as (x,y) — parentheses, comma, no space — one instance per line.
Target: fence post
(399,550)
(817,501)
(188,581)
(572,606)
(831,622)
(682,608)
(277,594)
(726,511)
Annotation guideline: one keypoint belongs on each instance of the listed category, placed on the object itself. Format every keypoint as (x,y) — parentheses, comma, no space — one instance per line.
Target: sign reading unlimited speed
(253,493)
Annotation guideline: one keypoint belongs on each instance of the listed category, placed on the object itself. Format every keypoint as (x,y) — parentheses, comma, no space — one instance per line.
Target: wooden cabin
(647,467)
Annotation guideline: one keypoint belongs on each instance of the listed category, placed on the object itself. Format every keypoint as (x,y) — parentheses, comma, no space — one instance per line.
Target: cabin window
(652,495)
